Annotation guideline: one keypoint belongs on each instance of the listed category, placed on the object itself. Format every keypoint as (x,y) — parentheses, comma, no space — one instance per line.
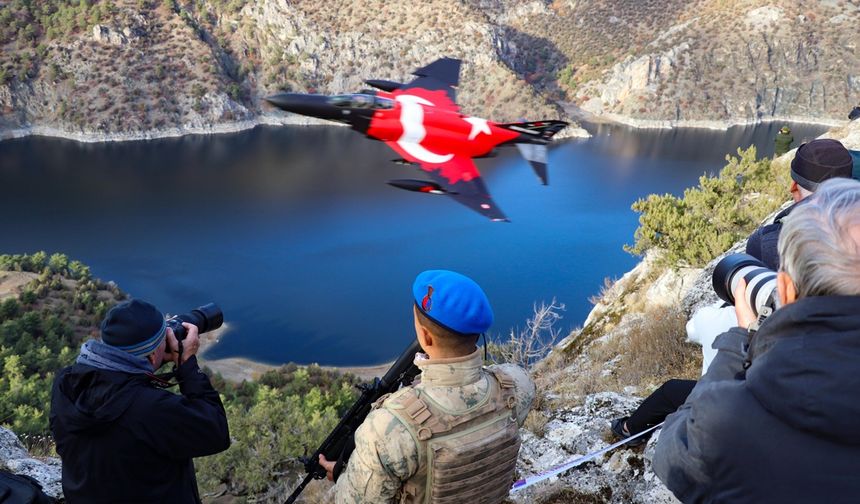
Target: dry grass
(646,349)
(572,496)
(654,349)
(604,291)
(39,447)
(536,421)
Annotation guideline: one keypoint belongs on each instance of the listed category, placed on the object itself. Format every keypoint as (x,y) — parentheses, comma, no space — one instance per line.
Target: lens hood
(725,271)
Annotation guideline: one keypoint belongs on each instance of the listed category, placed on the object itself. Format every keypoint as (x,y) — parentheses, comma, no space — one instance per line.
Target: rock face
(623,475)
(336,54)
(204,66)
(151,70)
(763,64)
(708,64)
(106,35)
(14,457)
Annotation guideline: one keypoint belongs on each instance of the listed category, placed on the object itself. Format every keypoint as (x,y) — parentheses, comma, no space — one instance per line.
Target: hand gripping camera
(761,283)
(207,318)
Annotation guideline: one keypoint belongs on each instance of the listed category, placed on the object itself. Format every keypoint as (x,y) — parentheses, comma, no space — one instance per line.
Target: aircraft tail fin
(535,154)
(539,130)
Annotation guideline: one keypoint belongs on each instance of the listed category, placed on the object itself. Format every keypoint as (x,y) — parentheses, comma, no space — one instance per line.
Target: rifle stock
(339,444)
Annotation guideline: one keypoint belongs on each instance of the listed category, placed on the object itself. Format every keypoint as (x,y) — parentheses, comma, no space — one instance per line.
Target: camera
(207,318)
(761,282)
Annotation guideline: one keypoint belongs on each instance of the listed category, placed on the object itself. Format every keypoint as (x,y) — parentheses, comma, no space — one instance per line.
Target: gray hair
(816,246)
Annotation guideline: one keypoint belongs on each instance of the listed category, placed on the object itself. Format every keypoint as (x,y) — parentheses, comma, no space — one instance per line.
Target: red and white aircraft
(423,124)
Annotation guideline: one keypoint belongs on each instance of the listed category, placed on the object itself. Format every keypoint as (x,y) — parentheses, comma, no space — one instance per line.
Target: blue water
(311,256)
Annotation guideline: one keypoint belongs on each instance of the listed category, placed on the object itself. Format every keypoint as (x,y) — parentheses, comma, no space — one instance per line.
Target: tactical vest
(469,456)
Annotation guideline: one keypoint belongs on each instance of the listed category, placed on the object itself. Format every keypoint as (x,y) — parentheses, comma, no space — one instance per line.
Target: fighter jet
(422,123)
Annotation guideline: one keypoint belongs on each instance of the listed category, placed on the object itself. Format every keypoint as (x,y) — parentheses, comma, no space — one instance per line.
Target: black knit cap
(819,160)
(134,326)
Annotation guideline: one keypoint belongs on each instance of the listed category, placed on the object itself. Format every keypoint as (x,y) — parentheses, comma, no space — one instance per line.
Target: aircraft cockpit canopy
(365,101)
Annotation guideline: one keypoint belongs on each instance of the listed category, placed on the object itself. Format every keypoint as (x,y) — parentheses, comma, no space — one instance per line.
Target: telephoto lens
(761,281)
(207,318)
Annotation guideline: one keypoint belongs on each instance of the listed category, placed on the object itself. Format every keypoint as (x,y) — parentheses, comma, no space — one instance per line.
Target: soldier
(783,141)
(453,436)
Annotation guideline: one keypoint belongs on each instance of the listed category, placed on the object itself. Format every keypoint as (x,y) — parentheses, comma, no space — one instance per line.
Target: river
(293,232)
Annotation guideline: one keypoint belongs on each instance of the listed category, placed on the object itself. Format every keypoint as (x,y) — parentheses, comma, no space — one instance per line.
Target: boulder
(15,458)
(621,475)
(106,35)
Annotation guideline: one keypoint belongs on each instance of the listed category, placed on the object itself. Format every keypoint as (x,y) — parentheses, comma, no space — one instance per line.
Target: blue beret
(453,301)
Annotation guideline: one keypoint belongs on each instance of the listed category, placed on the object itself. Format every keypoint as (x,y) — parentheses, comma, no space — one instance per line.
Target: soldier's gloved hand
(328,466)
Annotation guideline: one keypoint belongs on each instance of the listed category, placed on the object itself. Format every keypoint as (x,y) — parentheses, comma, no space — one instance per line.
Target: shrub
(40,334)
(284,415)
(711,217)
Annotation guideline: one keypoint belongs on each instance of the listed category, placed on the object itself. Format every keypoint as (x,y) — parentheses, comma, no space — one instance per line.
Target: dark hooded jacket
(762,243)
(122,439)
(786,429)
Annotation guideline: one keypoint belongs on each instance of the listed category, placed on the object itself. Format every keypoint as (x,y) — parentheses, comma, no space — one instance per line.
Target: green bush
(41,332)
(710,218)
(273,421)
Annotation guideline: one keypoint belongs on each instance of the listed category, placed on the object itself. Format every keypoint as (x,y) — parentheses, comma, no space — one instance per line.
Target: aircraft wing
(468,189)
(441,75)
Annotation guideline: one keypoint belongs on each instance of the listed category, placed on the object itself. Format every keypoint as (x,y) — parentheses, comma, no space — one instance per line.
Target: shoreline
(238,369)
(172,132)
(713,125)
(575,113)
(582,115)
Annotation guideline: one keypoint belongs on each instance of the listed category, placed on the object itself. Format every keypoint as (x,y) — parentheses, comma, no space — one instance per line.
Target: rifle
(341,441)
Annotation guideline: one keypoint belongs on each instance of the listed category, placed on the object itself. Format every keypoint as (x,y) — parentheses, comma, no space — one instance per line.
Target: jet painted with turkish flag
(423,124)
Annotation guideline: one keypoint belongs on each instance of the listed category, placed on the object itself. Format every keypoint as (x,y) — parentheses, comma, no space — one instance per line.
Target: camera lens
(207,318)
(761,282)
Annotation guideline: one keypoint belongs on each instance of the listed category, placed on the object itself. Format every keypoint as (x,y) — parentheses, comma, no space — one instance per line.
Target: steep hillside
(722,61)
(129,68)
(111,67)
(132,67)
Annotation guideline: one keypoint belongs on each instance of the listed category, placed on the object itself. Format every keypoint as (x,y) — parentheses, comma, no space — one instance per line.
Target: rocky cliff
(141,68)
(704,62)
(14,457)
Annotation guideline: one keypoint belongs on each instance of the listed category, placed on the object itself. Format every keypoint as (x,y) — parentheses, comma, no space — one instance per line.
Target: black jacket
(762,243)
(122,439)
(783,431)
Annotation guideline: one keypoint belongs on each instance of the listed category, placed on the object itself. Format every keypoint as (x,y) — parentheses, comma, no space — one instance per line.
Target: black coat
(762,243)
(783,431)
(122,439)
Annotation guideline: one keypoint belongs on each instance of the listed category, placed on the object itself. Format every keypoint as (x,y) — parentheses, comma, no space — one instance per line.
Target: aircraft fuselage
(422,126)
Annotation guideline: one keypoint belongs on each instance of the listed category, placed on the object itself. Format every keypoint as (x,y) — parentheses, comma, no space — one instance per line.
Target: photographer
(774,418)
(813,163)
(121,437)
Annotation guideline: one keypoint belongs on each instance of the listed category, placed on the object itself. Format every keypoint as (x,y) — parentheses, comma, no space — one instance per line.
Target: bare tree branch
(525,347)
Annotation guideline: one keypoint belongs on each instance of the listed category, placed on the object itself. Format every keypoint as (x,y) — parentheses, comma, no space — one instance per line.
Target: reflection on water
(294,233)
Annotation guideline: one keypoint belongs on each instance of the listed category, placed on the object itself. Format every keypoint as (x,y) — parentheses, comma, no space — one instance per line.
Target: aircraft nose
(305,104)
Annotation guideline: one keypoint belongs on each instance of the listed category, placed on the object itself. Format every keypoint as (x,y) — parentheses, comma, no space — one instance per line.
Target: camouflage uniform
(783,143)
(385,453)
